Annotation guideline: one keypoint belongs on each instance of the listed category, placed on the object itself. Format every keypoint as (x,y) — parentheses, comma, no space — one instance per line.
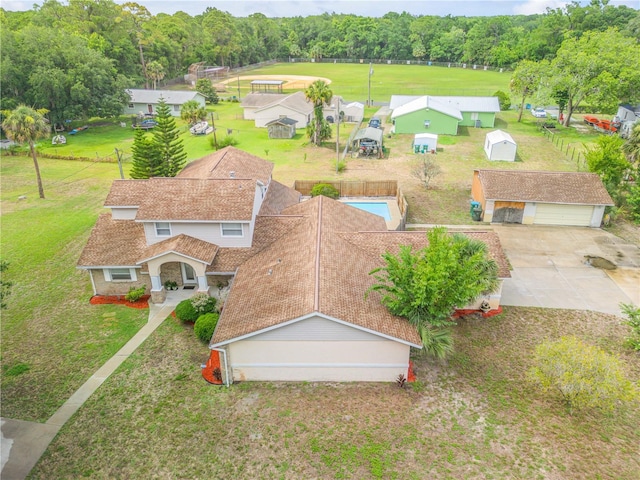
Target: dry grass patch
(473,417)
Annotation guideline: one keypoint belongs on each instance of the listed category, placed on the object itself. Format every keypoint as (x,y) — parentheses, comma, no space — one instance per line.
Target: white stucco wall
(263,117)
(124,213)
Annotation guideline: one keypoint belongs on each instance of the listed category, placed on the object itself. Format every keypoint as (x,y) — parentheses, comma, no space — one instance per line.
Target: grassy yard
(473,417)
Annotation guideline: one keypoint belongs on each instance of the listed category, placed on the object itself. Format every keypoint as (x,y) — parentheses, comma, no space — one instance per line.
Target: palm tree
(26,125)
(192,112)
(319,94)
(155,72)
(631,148)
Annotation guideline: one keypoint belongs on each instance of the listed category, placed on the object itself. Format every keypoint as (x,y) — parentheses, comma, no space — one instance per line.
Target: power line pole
(338,135)
(119,155)
(215,139)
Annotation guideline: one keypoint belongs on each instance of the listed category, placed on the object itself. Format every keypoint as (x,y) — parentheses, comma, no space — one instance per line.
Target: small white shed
(500,146)
(353,112)
(425,143)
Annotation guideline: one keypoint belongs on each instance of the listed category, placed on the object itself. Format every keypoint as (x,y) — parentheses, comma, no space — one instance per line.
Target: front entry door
(188,274)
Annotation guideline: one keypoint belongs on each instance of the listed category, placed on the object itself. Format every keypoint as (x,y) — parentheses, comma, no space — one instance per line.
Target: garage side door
(570,215)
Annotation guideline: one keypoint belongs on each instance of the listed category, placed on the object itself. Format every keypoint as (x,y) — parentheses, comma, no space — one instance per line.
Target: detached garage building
(540,198)
(500,146)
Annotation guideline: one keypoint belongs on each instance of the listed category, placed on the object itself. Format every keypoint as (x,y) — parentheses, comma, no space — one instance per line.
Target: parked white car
(538,112)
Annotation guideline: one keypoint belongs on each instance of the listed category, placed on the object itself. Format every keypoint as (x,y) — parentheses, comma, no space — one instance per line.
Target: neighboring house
(500,145)
(425,143)
(254,101)
(294,106)
(442,114)
(298,271)
(541,198)
(353,112)
(282,128)
(146,101)
(331,110)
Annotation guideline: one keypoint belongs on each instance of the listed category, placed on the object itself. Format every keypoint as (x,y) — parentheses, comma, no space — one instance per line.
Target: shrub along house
(540,198)
(440,114)
(298,271)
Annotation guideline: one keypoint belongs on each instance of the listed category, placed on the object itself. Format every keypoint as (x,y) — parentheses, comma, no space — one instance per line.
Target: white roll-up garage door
(557,214)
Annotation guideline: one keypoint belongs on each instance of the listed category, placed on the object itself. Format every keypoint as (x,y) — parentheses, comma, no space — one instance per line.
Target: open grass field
(473,417)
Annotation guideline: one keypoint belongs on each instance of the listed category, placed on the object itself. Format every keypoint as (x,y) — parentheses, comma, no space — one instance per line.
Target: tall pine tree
(166,142)
(145,162)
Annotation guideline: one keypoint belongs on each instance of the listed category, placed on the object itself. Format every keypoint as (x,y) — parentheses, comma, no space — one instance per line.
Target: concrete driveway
(550,269)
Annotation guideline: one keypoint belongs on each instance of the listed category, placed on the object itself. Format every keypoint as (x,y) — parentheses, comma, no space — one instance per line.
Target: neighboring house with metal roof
(146,101)
(298,271)
(441,114)
(294,106)
(541,198)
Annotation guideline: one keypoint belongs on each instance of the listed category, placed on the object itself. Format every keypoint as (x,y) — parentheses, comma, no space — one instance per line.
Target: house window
(231,229)
(163,229)
(120,274)
(176,108)
(131,105)
(427,123)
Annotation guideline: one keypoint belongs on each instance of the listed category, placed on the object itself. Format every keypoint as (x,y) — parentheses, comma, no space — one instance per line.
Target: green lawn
(473,417)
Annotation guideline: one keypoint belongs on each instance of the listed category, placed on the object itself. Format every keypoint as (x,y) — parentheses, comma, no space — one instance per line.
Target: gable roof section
(226,162)
(399,100)
(278,198)
(296,102)
(498,136)
(282,121)
(172,97)
(471,104)
(312,270)
(257,100)
(182,245)
(126,193)
(190,199)
(547,187)
(424,103)
(113,243)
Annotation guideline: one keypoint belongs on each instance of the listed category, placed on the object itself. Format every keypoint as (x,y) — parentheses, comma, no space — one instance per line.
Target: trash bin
(476,211)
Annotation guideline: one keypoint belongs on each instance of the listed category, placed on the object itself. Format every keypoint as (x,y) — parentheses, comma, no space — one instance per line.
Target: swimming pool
(377,208)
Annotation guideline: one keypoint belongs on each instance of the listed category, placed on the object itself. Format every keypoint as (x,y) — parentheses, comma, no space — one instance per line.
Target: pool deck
(391,202)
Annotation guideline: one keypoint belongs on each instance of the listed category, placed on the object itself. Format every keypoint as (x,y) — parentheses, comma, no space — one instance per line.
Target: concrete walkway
(23,443)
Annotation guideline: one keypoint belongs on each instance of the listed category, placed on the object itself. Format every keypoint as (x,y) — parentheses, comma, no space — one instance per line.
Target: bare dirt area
(474,416)
(292,82)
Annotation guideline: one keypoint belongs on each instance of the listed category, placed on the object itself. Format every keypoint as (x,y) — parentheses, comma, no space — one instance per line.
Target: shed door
(570,215)
(508,212)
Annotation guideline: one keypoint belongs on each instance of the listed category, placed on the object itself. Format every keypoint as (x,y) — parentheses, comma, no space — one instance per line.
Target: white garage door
(570,215)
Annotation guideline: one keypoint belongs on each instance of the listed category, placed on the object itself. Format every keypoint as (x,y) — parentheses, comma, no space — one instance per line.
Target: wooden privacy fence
(353,188)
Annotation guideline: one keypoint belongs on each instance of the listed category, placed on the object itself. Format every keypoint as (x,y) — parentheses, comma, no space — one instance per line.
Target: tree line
(76,57)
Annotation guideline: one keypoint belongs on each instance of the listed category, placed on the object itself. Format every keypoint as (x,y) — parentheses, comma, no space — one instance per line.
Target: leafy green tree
(503,99)
(633,321)
(192,112)
(425,287)
(204,87)
(145,162)
(584,375)
(631,148)
(155,72)
(589,71)
(26,125)
(167,142)
(319,94)
(5,285)
(525,81)
(607,160)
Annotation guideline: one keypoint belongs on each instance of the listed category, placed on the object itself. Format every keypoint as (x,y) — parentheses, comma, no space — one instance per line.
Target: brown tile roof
(184,245)
(377,243)
(311,269)
(278,198)
(222,163)
(174,199)
(126,193)
(113,243)
(549,187)
(267,230)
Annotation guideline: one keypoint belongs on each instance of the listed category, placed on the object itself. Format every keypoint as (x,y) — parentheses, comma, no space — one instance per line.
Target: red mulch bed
(490,313)
(212,364)
(119,300)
